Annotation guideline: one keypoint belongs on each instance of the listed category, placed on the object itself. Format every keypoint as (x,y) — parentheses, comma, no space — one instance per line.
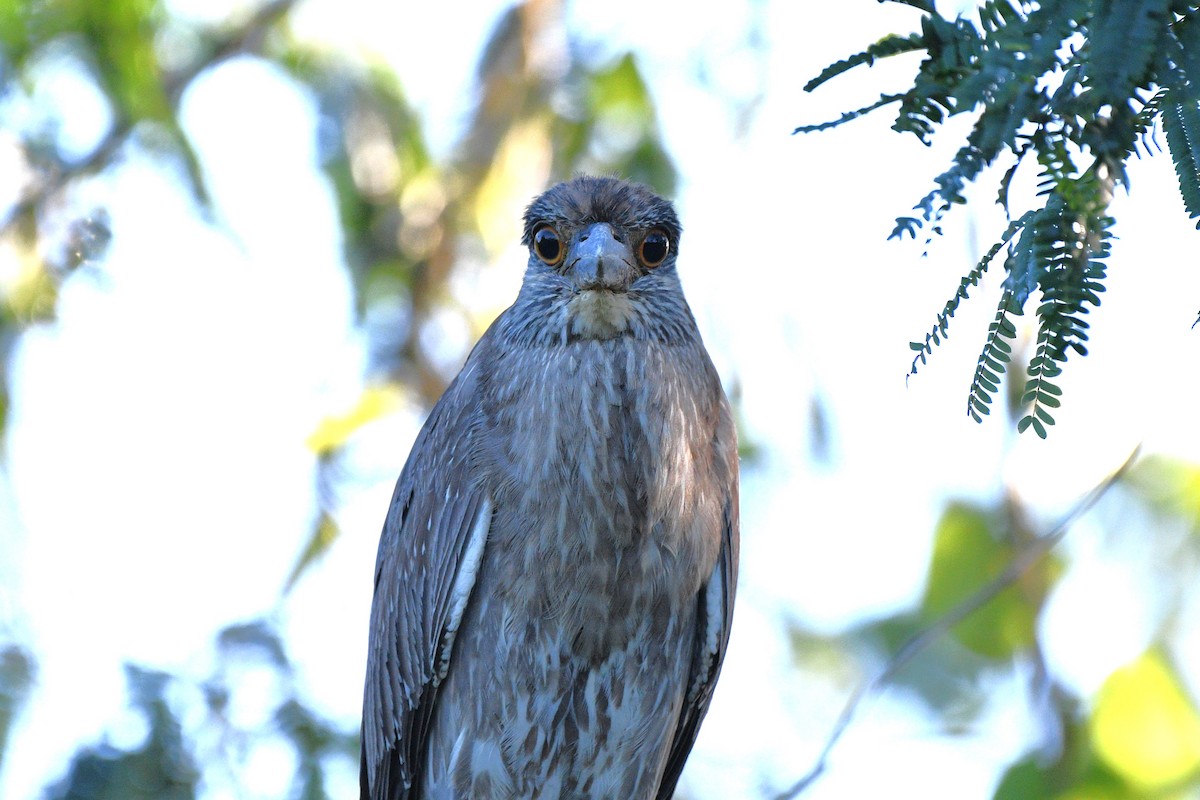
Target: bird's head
(602,251)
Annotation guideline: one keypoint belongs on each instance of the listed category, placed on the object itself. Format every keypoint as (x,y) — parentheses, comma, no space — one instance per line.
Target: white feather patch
(464,582)
(599,313)
(714,624)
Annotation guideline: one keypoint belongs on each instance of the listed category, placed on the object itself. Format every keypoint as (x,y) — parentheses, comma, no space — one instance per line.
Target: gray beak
(601,261)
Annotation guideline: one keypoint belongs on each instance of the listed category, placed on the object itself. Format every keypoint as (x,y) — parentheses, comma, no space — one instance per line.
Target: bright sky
(156,444)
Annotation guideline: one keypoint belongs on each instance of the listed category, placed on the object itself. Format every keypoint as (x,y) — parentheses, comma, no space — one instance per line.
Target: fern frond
(1184,53)
(884,100)
(1125,37)
(1144,121)
(1071,83)
(1181,121)
(941,327)
(995,14)
(993,361)
(1006,180)
(1040,392)
(1066,245)
(890,45)
(947,192)
(953,48)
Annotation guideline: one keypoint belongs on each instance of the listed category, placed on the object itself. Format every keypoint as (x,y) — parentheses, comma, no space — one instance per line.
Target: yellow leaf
(33,295)
(1170,486)
(1145,727)
(333,432)
(323,536)
(519,171)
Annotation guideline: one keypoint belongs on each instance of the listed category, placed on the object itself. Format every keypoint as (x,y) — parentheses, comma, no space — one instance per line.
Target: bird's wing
(712,638)
(429,553)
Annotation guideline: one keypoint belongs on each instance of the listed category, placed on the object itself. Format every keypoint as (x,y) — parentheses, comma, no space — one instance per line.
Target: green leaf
(969,550)
(122,35)
(1025,779)
(1032,421)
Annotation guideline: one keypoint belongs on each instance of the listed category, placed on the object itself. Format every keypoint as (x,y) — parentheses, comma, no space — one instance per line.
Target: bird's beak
(601,261)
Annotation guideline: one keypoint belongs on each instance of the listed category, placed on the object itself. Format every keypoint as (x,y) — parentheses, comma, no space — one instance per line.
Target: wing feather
(713,619)
(430,549)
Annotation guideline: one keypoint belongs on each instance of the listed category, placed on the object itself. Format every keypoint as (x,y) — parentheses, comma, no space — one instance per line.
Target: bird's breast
(606,501)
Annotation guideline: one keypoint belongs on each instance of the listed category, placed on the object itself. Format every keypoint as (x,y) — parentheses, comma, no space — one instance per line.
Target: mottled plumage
(555,577)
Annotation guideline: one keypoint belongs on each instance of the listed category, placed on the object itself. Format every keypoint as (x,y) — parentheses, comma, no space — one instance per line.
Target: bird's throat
(600,313)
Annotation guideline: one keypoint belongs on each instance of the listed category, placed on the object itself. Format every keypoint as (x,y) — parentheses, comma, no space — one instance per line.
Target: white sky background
(156,445)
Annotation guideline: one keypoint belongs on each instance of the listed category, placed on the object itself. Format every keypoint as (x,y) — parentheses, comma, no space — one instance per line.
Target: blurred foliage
(16,678)
(1170,487)
(990,577)
(1145,728)
(1139,736)
(124,48)
(159,768)
(971,548)
(1142,740)
(1073,86)
(166,764)
(334,432)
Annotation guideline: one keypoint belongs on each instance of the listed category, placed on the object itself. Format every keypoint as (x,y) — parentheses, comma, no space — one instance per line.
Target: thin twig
(1021,564)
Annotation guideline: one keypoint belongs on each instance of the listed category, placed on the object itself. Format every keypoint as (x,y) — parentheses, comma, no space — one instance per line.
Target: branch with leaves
(1037,549)
(1075,87)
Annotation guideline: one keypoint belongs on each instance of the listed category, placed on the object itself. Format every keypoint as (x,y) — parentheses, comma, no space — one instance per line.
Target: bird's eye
(654,248)
(548,245)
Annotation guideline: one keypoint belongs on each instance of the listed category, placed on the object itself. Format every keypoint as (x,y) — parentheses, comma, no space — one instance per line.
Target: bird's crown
(587,199)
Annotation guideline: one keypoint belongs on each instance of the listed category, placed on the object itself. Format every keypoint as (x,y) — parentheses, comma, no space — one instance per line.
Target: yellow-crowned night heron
(555,578)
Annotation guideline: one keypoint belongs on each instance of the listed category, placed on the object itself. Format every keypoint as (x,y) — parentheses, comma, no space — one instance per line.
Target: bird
(555,579)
